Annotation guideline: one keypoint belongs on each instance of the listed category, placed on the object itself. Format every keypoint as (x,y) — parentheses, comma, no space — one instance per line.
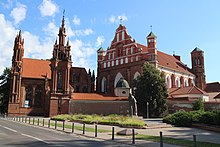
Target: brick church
(47,85)
(124,59)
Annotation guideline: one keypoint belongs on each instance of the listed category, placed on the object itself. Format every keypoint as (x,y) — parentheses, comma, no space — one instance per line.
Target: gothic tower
(151,44)
(197,58)
(18,53)
(60,74)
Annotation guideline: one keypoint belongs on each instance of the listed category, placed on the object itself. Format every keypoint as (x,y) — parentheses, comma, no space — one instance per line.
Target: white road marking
(35,138)
(9,129)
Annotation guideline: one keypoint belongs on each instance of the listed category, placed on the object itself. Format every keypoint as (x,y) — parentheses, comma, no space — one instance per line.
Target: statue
(133,104)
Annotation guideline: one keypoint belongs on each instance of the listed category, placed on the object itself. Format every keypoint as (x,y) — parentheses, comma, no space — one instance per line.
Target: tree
(5,84)
(198,105)
(150,87)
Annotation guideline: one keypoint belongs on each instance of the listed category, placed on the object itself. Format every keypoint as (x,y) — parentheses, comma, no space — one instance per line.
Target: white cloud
(7,4)
(84,32)
(82,52)
(48,8)
(99,41)
(51,29)
(117,19)
(76,20)
(19,13)
(6,43)
(33,48)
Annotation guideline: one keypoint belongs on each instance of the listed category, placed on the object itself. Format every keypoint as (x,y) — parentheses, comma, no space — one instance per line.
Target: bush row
(185,119)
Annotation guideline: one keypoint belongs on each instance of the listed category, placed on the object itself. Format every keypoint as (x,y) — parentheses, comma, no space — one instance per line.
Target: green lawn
(174,141)
(99,119)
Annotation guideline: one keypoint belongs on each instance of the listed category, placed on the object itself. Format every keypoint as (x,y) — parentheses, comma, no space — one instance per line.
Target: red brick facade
(125,57)
(47,84)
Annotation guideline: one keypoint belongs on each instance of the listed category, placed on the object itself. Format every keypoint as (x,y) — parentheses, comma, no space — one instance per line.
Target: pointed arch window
(59,81)
(29,95)
(104,85)
(38,96)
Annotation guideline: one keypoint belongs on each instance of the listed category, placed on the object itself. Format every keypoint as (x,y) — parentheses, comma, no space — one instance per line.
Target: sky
(180,26)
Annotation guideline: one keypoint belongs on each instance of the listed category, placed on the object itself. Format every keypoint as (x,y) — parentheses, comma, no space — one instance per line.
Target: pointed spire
(63,20)
(93,75)
(55,41)
(68,42)
(20,36)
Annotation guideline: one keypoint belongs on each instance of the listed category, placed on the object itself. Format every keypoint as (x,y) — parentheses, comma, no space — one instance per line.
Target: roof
(151,35)
(186,90)
(97,97)
(197,49)
(171,62)
(100,49)
(35,68)
(212,87)
(122,83)
(217,96)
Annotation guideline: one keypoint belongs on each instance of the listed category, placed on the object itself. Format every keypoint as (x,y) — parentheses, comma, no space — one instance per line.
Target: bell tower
(60,74)
(198,68)
(18,53)
(152,49)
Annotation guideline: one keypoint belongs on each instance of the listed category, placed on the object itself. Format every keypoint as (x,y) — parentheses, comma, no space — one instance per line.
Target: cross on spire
(151,28)
(120,19)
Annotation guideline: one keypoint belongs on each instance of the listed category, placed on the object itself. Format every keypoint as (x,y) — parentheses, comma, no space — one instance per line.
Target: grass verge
(99,119)
(67,126)
(175,141)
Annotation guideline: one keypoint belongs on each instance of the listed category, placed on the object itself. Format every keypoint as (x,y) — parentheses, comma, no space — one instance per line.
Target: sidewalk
(171,132)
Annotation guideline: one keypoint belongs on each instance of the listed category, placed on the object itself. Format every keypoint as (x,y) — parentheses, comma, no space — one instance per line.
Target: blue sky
(179,25)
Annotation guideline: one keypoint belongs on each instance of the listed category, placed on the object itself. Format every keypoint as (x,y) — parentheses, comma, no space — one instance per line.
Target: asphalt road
(15,134)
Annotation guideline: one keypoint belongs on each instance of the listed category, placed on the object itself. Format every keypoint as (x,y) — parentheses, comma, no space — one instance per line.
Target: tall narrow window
(38,96)
(117,37)
(116,62)
(121,61)
(123,35)
(126,60)
(131,50)
(29,95)
(60,81)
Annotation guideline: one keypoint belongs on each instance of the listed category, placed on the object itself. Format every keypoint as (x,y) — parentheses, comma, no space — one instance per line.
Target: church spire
(63,20)
(62,32)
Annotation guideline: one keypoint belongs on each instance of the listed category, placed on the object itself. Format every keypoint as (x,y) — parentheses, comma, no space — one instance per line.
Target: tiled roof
(217,96)
(97,97)
(144,48)
(186,90)
(172,63)
(212,87)
(34,68)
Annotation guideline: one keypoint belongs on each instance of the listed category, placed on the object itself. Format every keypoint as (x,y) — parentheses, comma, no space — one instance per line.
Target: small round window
(123,92)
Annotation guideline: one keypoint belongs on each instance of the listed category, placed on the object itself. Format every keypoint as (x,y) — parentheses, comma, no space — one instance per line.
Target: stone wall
(99,107)
(209,106)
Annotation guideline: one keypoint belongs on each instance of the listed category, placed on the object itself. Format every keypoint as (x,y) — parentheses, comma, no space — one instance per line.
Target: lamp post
(147,110)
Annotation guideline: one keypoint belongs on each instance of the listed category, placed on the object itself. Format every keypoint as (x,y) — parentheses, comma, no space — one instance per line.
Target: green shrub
(207,118)
(198,105)
(196,116)
(169,119)
(181,118)
(217,118)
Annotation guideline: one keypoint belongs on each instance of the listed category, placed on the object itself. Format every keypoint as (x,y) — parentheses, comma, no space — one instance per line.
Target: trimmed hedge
(185,119)
(181,119)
